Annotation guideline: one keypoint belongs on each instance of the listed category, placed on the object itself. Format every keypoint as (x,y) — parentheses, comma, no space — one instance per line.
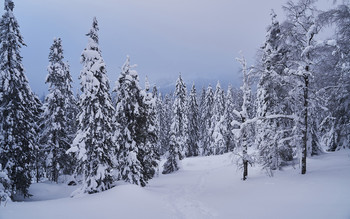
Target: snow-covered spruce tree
(237,98)
(193,123)
(180,118)
(228,119)
(93,144)
(207,114)
(71,106)
(148,125)
(174,154)
(202,130)
(275,120)
(19,108)
(179,129)
(244,133)
(337,88)
(218,122)
(166,116)
(158,111)
(302,29)
(130,126)
(56,119)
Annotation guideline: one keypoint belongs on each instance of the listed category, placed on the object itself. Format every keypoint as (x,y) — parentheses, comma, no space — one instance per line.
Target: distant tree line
(299,107)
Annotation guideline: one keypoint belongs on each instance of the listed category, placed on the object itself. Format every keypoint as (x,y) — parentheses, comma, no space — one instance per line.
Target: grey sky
(199,38)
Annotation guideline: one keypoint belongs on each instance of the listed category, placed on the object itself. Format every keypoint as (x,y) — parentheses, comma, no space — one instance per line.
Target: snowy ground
(206,187)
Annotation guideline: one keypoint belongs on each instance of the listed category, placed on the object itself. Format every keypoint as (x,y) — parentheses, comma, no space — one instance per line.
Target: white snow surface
(206,187)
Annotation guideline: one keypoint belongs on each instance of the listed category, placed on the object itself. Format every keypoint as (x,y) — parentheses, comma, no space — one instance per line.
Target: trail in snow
(182,190)
(206,187)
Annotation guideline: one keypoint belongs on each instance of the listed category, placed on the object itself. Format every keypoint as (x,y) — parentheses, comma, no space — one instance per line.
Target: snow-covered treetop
(218,86)
(128,75)
(93,31)
(56,51)
(147,86)
(155,92)
(180,89)
(9,5)
(193,90)
(92,52)
(11,41)
(273,17)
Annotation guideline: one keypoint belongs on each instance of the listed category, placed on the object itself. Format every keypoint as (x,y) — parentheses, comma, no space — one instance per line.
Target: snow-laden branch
(238,114)
(255,119)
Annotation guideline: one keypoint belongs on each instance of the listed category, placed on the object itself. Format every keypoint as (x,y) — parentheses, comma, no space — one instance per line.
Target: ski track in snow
(184,201)
(184,197)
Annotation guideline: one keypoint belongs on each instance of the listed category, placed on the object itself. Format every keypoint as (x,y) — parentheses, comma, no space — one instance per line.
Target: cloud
(199,38)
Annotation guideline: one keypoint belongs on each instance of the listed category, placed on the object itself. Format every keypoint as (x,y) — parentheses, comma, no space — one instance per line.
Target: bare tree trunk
(245,151)
(305,131)
(245,169)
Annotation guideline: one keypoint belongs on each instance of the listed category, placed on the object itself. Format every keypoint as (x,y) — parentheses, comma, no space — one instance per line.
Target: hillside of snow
(206,187)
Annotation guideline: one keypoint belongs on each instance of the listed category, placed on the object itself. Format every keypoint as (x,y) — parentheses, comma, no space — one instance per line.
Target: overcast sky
(199,38)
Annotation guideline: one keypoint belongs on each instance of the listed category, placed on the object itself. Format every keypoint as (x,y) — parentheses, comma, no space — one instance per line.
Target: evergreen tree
(179,129)
(93,144)
(174,155)
(166,115)
(56,119)
(207,114)
(336,90)
(148,153)
(218,145)
(193,123)
(19,108)
(158,111)
(130,126)
(237,98)
(229,116)
(202,123)
(180,119)
(71,105)
(273,126)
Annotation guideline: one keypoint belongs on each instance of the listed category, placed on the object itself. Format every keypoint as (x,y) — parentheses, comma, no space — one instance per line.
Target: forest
(294,103)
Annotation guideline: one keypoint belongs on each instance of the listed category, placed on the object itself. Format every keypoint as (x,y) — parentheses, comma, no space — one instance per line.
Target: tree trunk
(245,169)
(245,151)
(305,130)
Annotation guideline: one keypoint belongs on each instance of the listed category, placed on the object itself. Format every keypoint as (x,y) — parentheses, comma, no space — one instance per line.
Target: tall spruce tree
(166,115)
(158,112)
(174,154)
(130,126)
(148,153)
(56,118)
(202,130)
(93,144)
(228,119)
(19,108)
(274,116)
(180,118)
(193,123)
(337,88)
(178,130)
(71,104)
(207,114)
(218,127)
